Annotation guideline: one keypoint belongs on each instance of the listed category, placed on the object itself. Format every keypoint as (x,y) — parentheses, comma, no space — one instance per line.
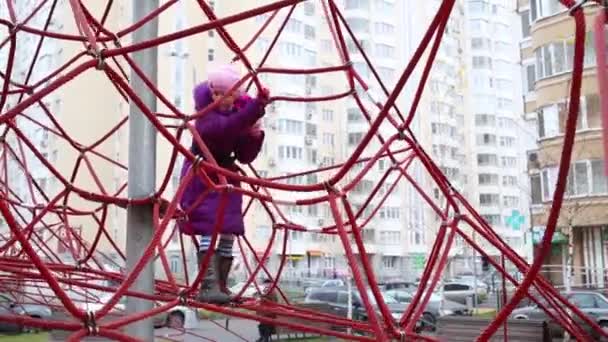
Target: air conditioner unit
(309,116)
(320,222)
(271,162)
(309,90)
(308,140)
(533,161)
(273,126)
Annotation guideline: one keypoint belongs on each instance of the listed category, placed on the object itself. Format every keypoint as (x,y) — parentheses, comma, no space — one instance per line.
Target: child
(231,134)
(269,295)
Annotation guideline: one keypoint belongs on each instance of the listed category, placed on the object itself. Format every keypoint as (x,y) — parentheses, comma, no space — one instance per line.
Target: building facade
(579,253)
(497,135)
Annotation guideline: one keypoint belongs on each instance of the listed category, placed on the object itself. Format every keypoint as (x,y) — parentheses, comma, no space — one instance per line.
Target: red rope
(27,258)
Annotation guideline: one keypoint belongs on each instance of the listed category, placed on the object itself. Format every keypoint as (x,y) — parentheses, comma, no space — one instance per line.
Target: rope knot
(90,324)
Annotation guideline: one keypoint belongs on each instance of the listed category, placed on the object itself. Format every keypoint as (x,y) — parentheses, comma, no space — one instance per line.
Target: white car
(179,317)
(250,291)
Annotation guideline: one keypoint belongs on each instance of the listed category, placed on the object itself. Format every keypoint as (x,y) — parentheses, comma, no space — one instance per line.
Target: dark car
(435,308)
(8,306)
(337,300)
(591,303)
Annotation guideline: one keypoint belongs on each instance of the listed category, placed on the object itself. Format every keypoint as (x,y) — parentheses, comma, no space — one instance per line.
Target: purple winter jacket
(227,135)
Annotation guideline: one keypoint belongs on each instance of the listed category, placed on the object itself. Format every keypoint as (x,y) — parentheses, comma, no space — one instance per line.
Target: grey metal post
(142,170)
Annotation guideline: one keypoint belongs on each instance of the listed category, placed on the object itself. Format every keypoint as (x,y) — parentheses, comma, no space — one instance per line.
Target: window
(548,121)
(290,152)
(288,126)
(492,219)
(354,115)
(311,129)
(586,178)
(311,156)
(487,179)
(535,189)
(385,51)
(484,159)
(356,4)
(507,141)
(525,23)
(509,181)
(358,25)
(291,49)
(174,264)
(293,25)
(485,120)
(486,139)
(389,262)
(328,115)
(544,8)
(592,106)
(599,183)
(309,32)
(557,57)
(548,177)
(480,43)
(530,78)
(456,287)
(328,139)
(489,200)
(508,161)
(210,55)
(384,28)
(384,6)
(581,183)
(583,301)
(354,138)
(510,201)
(309,8)
(482,62)
(364,186)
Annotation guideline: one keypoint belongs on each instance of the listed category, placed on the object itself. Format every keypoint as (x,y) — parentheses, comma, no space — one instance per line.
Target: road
(239,330)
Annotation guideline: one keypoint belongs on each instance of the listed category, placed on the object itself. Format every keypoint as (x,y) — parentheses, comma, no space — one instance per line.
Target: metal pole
(474,276)
(142,170)
(349,290)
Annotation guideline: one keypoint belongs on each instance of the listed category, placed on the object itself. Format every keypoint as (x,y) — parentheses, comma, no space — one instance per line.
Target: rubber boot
(210,290)
(224,266)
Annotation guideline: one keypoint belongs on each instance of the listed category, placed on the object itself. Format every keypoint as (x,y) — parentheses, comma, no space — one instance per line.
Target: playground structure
(23,258)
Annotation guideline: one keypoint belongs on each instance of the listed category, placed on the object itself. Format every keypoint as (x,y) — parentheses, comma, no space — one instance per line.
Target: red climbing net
(25,255)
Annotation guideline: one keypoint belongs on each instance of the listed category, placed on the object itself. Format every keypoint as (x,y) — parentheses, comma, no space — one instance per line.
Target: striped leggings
(224,247)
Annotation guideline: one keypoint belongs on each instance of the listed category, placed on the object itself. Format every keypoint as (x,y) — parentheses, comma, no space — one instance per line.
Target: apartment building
(497,135)
(547,52)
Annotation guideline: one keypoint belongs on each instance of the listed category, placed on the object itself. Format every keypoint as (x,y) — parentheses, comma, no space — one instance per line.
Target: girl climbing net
(232,133)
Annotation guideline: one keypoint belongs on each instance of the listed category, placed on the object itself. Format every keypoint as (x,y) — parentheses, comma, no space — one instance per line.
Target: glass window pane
(547,61)
(559,57)
(593,111)
(539,63)
(600,183)
(580,177)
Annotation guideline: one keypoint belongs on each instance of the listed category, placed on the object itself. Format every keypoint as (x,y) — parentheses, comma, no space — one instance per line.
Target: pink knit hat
(224,77)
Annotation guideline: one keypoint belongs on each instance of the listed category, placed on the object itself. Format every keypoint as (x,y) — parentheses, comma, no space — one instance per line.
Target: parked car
(337,299)
(460,292)
(325,283)
(175,318)
(250,291)
(435,308)
(591,303)
(8,306)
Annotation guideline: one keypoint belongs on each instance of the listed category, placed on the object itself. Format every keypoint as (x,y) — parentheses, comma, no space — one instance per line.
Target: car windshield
(388,299)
